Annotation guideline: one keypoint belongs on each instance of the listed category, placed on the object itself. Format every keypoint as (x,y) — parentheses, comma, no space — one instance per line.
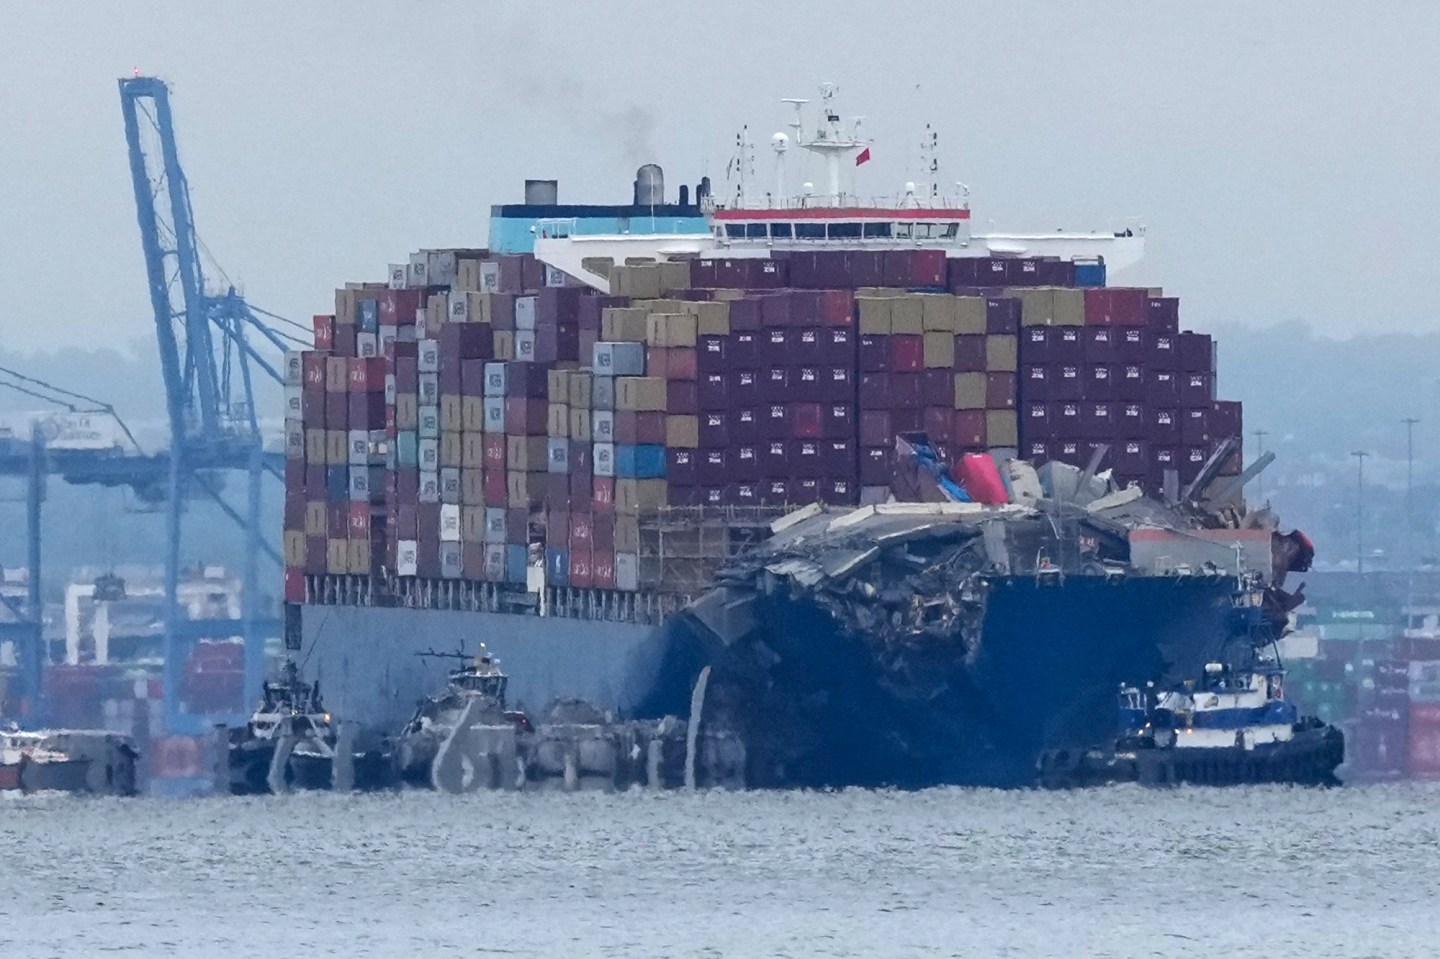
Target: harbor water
(1113,872)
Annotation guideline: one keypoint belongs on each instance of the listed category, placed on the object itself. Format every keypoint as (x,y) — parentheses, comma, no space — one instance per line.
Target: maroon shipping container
(937,423)
(466,341)
(1115,306)
(875,429)
(873,352)
(681,397)
(526,417)
(907,354)
(650,428)
(1194,427)
(807,419)
(907,391)
(1002,315)
(875,468)
(970,353)
(529,380)
(1196,353)
(1000,391)
(967,429)
(746,314)
(937,388)
(874,392)
(1226,419)
(1162,314)
(915,268)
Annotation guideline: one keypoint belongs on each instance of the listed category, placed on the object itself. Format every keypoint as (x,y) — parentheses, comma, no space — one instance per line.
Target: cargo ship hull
(370,661)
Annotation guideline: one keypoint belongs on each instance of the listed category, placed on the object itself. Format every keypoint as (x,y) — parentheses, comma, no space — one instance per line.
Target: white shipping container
(429,422)
(294,441)
(379,448)
(390,389)
(294,368)
(525,345)
(525,313)
(602,426)
(442,267)
(398,273)
(367,345)
(428,456)
(359,447)
(429,487)
(489,276)
(388,334)
(459,307)
(496,379)
(294,402)
(450,484)
(559,456)
(554,276)
(449,523)
(428,360)
(627,572)
(428,389)
(603,459)
(407,558)
(494,524)
(494,414)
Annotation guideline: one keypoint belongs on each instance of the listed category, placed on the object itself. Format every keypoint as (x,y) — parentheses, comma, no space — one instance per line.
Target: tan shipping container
(581,390)
(472,524)
(358,557)
(472,413)
(907,315)
(472,487)
(407,411)
(452,448)
(627,533)
(337,448)
(337,374)
(641,394)
(874,315)
(527,453)
(580,425)
(472,449)
(557,422)
(969,391)
(970,316)
(1069,307)
(633,496)
(712,319)
(315,447)
(937,313)
(347,306)
(452,416)
(504,345)
(294,542)
(522,488)
(1000,428)
(1037,306)
(557,385)
(682,432)
(623,324)
(674,275)
(337,556)
(317,520)
(1002,353)
(939,351)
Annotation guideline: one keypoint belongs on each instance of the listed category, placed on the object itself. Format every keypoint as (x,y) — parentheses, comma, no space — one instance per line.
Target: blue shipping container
(1090,274)
(369,316)
(337,483)
(407,448)
(516,561)
(646,461)
(557,566)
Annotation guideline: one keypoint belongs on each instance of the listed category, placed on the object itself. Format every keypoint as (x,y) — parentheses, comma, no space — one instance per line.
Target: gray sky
(1282,155)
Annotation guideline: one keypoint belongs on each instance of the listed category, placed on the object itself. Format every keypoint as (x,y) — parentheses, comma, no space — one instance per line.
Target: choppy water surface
(1116,872)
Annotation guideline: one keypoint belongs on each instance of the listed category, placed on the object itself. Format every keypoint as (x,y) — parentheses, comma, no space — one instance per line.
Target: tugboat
(29,765)
(1232,726)
(290,732)
(465,738)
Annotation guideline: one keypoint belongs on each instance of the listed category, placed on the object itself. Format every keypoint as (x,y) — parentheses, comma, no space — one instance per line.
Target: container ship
(567,443)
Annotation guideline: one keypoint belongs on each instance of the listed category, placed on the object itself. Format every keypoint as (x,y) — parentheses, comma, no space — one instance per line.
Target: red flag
(862,156)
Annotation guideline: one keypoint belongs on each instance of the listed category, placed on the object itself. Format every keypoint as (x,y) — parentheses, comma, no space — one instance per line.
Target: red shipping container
(358,521)
(1000,391)
(938,423)
(907,354)
(496,492)
(494,449)
(1115,306)
(683,364)
(657,362)
(604,498)
(1425,741)
(807,419)
(294,584)
(602,569)
(967,429)
(981,478)
(312,365)
(914,268)
(324,332)
(837,307)
(582,576)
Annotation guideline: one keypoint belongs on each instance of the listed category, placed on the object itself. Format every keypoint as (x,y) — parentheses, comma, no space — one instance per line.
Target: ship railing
(827,201)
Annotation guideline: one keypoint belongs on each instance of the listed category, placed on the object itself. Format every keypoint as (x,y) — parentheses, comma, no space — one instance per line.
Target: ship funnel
(542,192)
(684,194)
(649,185)
(703,190)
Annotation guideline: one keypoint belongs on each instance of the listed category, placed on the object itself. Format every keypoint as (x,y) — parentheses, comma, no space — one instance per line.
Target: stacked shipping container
(476,416)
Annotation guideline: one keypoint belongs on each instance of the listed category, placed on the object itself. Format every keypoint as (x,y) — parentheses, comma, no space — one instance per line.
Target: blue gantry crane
(209,359)
(210,343)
